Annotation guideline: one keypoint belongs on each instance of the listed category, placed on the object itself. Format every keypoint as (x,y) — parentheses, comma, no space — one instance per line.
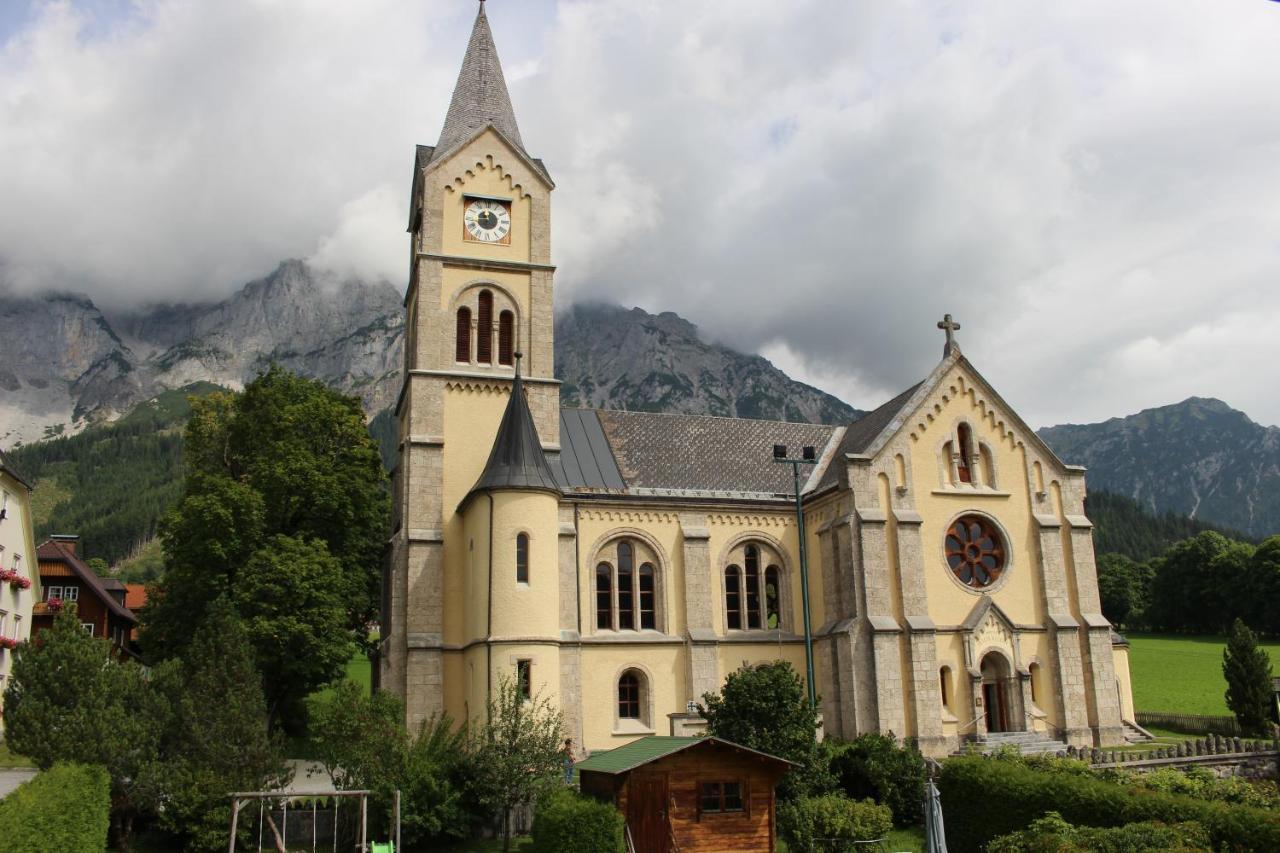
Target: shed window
(718,797)
(522,558)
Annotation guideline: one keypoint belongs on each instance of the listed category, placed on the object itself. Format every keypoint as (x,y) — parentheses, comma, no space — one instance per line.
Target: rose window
(975,551)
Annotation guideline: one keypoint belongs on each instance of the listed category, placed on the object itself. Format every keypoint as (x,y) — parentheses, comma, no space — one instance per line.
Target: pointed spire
(517,460)
(480,96)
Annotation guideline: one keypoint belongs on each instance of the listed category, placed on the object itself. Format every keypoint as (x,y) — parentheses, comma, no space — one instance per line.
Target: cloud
(1088,187)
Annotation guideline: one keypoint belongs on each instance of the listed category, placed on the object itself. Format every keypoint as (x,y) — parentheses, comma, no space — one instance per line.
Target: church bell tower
(479,295)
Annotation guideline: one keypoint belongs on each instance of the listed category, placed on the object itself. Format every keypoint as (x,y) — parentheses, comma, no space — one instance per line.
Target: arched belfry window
(462,347)
(522,558)
(484,328)
(506,337)
(964,439)
(752,592)
(627,595)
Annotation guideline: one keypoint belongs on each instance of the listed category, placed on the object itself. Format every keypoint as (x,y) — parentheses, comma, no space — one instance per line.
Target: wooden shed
(689,794)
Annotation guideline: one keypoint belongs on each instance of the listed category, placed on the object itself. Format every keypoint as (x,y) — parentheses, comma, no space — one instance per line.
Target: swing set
(279,841)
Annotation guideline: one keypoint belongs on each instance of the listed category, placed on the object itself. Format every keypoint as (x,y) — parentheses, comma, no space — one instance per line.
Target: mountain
(1123,526)
(65,364)
(1199,459)
(608,357)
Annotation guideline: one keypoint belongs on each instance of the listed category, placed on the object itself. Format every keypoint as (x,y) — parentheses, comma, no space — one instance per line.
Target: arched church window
(944,682)
(462,346)
(522,558)
(604,597)
(506,337)
(964,439)
(484,328)
(733,597)
(629,696)
(626,593)
(753,586)
(647,620)
(975,551)
(772,599)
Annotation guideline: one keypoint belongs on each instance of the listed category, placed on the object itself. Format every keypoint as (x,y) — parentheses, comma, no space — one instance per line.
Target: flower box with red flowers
(8,643)
(54,604)
(18,582)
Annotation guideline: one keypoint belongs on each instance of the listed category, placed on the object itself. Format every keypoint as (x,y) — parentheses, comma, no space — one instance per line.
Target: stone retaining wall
(1223,756)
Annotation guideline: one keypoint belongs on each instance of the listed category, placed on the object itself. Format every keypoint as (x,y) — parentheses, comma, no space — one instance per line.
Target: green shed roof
(653,747)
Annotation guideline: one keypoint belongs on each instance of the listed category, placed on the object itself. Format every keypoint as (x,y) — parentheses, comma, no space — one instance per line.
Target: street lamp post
(807,457)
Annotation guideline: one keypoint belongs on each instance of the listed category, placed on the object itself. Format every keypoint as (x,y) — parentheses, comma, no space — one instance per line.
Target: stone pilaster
(699,589)
(570,613)
(922,640)
(886,633)
(1071,704)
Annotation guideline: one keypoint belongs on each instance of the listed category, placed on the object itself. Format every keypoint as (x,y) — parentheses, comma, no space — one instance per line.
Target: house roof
(52,551)
(517,460)
(862,432)
(7,466)
(135,595)
(644,453)
(650,749)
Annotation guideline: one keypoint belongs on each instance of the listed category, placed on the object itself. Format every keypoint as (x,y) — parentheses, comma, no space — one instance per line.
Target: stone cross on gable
(950,327)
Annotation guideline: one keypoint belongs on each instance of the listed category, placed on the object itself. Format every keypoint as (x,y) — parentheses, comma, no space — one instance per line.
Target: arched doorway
(999,697)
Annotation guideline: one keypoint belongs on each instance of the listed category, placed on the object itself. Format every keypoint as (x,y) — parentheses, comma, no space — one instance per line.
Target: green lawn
(1181,674)
(8,759)
(359,670)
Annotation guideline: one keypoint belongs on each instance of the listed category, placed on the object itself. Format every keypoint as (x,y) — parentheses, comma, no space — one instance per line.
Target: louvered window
(484,328)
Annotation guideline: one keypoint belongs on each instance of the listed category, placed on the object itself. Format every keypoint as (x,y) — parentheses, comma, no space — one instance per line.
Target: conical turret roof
(517,461)
(480,97)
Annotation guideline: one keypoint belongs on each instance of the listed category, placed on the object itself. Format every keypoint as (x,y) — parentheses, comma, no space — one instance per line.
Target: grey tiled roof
(480,97)
(697,455)
(862,432)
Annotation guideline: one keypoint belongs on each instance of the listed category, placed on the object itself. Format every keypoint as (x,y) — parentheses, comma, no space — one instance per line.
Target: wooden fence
(1196,724)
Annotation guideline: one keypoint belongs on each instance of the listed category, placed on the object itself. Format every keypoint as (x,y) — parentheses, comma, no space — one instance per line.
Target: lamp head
(779,451)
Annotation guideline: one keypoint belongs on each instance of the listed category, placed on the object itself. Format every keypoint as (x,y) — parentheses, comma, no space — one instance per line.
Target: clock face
(487,221)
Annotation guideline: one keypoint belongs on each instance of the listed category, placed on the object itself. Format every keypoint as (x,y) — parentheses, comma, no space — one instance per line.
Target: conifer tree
(219,742)
(1247,669)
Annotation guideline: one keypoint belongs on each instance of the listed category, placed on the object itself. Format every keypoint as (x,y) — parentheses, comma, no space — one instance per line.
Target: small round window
(975,551)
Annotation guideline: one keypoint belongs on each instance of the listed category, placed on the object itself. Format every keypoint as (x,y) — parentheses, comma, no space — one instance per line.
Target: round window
(975,551)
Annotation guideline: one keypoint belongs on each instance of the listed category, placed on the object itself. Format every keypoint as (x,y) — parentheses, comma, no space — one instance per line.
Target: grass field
(1181,674)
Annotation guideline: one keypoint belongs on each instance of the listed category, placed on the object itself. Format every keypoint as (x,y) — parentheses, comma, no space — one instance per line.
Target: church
(622,564)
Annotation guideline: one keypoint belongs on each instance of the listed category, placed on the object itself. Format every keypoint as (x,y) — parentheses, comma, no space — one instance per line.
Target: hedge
(831,823)
(564,820)
(1053,833)
(983,798)
(67,807)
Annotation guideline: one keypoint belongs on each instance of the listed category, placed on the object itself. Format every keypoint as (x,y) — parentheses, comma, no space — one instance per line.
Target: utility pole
(807,457)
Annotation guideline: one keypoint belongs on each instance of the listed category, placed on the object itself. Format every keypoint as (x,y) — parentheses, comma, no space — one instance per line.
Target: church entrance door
(647,813)
(996,683)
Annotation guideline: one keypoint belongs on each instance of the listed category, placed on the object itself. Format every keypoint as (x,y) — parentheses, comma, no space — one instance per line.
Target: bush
(1024,795)
(67,807)
(1052,834)
(1203,785)
(567,821)
(807,822)
(875,766)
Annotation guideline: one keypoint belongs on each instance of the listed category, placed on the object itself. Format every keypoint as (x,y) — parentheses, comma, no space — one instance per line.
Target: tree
(290,595)
(516,752)
(1264,586)
(282,478)
(766,707)
(362,742)
(68,700)
(1119,587)
(1247,670)
(219,742)
(1201,584)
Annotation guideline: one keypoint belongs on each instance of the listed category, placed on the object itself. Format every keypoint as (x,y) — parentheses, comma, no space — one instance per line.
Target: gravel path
(12,777)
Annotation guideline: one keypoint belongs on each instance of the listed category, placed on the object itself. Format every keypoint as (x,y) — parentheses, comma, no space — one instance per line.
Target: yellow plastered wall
(666,670)
(486,174)
(526,609)
(1019,591)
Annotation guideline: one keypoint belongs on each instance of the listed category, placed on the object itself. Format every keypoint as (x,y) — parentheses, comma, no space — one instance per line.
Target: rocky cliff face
(1199,458)
(64,364)
(611,358)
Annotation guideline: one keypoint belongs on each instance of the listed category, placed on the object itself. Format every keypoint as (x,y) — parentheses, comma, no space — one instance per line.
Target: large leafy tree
(283,481)
(219,741)
(1247,669)
(1200,584)
(1264,584)
(68,700)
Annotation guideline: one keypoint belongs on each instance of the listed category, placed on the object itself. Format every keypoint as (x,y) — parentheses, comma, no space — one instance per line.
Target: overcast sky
(1092,188)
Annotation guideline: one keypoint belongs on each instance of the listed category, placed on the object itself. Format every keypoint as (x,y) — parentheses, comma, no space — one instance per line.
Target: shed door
(647,813)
